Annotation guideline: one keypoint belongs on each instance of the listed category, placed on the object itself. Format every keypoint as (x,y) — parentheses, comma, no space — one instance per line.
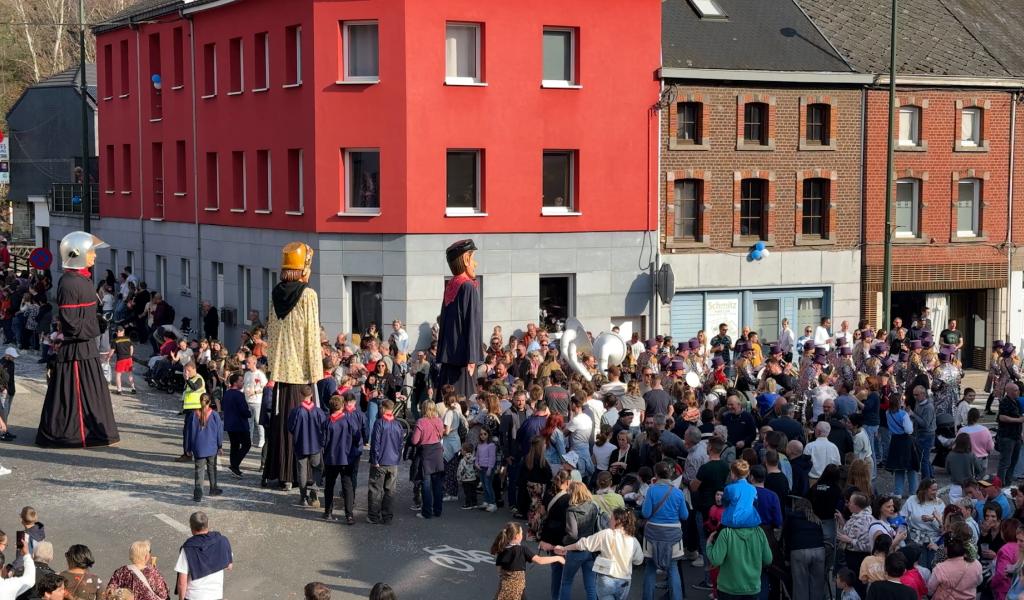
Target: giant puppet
(77,410)
(460,337)
(294,355)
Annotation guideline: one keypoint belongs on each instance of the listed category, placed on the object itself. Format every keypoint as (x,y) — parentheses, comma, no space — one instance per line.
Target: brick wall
(721,159)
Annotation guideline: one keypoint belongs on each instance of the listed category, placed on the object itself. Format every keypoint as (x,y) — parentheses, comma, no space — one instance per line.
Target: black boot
(197,495)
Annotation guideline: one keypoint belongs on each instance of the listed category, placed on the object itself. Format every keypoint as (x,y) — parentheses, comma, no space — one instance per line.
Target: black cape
(77,411)
(459,340)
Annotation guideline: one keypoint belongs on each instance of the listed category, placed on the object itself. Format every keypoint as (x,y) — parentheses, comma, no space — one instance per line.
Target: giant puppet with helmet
(293,355)
(77,411)
(460,336)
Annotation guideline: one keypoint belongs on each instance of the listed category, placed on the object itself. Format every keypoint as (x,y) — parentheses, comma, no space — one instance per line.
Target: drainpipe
(863,186)
(1009,202)
(138,103)
(195,170)
(655,243)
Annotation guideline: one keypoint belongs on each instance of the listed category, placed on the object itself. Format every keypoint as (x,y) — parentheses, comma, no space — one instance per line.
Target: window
(808,310)
(261,62)
(559,182)
(688,117)
(218,283)
(366,305)
(909,126)
(752,203)
(462,53)
(180,169)
(158,180)
(186,275)
(816,200)
(108,72)
(244,293)
(755,123)
(765,318)
(239,188)
(161,276)
(179,57)
(362,177)
(126,161)
(293,55)
(463,185)
(360,54)
(212,181)
(125,73)
(559,57)
(970,127)
(237,66)
(296,183)
(688,193)
(967,208)
(556,301)
(907,206)
(818,124)
(109,183)
(209,70)
(129,260)
(708,9)
(264,181)
(114,265)
(270,279)
(155,104)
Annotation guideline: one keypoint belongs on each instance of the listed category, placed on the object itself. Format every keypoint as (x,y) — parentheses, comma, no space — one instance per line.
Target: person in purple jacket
(307,423)
(386,441)
(236,423)
(342,448)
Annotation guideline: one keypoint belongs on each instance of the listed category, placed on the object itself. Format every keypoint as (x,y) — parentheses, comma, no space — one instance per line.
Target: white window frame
(570,207)
(558,83)
(708,9)
(302,184)
(161,275)
(476,79)
(298,58)
(218,284)
(915,210)
(459,211)
(346,39)
(216,180)
(114,266)
(216,73)
(244,293)
(245,183)
(571,290)
(186,276)
(976,183)
(915,125)
(975,139)
(270,278)
(241,66)
(358,210)
(347,304)
(129,261)
(266,61)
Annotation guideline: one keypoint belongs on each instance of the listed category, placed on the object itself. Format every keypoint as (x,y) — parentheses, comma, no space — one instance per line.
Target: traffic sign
(40,258)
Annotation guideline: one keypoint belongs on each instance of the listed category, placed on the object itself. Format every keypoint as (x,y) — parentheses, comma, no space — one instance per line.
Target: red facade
(252,121)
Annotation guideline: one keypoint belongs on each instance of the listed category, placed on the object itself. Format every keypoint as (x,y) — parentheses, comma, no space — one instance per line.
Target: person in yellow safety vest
(195,387)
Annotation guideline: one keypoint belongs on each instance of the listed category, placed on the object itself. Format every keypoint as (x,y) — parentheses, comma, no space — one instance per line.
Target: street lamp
(887,261)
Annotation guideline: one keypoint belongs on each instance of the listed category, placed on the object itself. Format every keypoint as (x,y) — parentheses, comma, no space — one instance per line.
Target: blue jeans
(898,480)
(884,436)
(488,480)
(578,560)
(372,408)
(675,586)
(925,441)
(876,448)
(433,494)
(612,588)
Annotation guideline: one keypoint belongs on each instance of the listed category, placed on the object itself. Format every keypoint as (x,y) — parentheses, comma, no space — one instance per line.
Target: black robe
(460,339)
(77,410)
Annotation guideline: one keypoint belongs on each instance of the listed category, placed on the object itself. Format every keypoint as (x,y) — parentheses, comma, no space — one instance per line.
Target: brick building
(957,92)
(761,141)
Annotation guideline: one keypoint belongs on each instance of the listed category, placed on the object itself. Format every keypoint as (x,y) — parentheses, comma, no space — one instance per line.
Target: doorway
(966,306)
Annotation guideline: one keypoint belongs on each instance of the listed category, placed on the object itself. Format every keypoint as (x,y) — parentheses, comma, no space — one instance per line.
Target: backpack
(463,427)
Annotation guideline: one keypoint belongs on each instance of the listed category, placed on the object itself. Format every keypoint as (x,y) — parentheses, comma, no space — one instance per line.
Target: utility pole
(84,88)
(887,268)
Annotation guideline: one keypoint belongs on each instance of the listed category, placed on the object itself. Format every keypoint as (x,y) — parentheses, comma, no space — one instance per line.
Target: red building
(380,131)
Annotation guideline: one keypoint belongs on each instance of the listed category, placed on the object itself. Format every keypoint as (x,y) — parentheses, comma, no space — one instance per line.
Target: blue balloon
(156,78)
(756,254)
(759,246)
(76,200)
(750,258)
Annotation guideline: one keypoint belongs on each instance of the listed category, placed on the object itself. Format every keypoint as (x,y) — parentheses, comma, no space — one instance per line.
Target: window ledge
(674,144)
(560,85)
(289,86)
(463,213)
(294,213)
(960,147)
(922,147)
(178,87)
(156,120)
(111,192)
(180,194)
(124,95)
(747,146)
(357,81)
(464,83)
(208,96)
(108,97)
(212,208)
(805,147)
(910,241)
(235,93)
(813,241)
(260,90)
(127,193)
(238,210)
(556,212)
(157,219)
(687,245)
(358,214)
(956,238)
(262,212)
(745,241)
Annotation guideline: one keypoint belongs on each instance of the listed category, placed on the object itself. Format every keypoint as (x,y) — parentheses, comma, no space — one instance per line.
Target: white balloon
(765,253)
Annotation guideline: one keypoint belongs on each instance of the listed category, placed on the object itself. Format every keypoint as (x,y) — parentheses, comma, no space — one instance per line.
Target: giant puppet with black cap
(460,339)
(77,412)
(294,357)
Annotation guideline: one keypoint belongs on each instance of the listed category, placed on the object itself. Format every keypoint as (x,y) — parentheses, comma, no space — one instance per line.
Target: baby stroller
(164,377)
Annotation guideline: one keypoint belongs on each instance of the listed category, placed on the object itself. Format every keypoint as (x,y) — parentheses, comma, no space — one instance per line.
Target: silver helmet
(75,247)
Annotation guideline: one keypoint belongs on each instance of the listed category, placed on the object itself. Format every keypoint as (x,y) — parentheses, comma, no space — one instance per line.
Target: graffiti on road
(456,558)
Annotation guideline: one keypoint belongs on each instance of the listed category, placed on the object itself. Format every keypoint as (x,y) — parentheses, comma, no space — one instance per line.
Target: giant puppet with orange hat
(293,354)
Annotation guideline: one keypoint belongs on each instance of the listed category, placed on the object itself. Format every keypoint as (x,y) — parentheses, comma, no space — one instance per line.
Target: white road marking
(173,524)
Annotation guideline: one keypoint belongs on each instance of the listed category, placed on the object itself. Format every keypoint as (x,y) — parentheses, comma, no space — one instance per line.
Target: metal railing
(66,199)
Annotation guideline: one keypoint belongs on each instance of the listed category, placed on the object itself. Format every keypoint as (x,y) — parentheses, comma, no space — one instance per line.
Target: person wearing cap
(862,351)
(460,338)
(946,378)
(746,373)
(77,411)
(7,390)
(845,369)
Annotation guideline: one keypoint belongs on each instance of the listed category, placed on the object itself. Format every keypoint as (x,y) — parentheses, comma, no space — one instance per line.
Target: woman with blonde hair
(140,576)
(858,479)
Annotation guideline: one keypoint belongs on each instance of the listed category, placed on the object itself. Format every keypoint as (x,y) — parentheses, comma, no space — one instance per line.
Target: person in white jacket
(619,549)
(12,587)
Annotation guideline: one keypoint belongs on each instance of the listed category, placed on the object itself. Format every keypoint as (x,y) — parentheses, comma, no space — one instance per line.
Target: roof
(931,38)
(140,11)
(69,78)
(997,25)
(772,35)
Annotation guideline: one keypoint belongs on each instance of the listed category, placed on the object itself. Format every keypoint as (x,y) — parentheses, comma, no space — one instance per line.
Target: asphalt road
(107,498)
